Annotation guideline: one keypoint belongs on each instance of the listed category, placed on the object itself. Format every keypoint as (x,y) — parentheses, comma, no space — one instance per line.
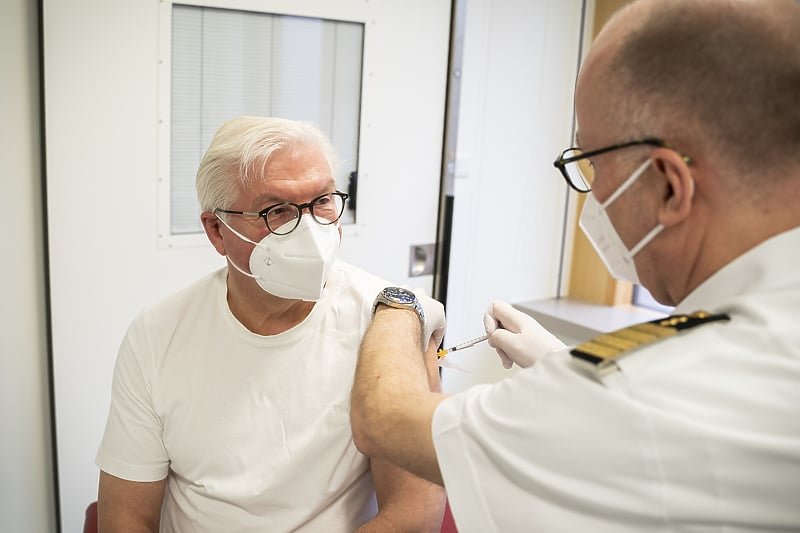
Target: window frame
(166,239)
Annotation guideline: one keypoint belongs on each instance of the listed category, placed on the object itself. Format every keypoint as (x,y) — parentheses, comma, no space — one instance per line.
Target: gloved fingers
(505,340)
(435,320)
(437,335)
(505,359)
(492,341)
(515,346)
(489,323)
(507,317)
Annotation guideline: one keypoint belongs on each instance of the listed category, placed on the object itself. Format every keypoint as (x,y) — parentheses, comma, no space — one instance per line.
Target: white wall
(519,63)
(26,483)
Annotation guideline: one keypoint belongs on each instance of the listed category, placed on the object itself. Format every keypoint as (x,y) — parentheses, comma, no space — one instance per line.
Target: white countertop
(574,321)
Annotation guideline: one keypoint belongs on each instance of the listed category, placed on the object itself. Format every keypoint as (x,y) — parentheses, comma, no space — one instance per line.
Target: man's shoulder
(607,353)
(185,299)
(724,352)
(356,279)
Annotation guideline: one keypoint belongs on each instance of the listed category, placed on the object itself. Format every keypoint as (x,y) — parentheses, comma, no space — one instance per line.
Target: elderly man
(230,403)
(689,121)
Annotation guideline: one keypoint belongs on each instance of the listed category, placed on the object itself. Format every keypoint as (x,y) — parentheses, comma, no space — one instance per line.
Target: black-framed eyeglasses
(576,167)
(283,218)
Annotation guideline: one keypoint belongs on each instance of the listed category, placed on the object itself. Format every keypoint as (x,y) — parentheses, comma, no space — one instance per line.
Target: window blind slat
(227,63)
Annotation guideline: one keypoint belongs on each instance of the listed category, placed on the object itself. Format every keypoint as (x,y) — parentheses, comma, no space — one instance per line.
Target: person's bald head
(718,75)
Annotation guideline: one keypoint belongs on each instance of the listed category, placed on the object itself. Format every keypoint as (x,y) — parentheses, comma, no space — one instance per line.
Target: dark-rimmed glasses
(577,169)
(283,218)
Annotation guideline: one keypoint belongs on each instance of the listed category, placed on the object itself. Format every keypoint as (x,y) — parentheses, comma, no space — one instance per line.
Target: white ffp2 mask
(600,231)
(293,266)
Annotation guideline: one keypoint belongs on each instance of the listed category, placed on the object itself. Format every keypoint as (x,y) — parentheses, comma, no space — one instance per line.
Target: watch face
(399,295)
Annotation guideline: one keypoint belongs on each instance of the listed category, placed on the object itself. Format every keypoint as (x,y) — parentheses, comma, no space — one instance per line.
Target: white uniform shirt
(252,432)
(697,432)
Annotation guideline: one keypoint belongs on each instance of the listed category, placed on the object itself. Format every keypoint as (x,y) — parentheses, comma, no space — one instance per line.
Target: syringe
(441,353)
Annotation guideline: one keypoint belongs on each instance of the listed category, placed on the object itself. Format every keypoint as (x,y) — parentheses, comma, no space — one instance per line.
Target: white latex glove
(435,321)
(517,337)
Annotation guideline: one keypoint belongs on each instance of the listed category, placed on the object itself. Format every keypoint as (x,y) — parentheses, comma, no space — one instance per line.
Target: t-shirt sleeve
(132,447)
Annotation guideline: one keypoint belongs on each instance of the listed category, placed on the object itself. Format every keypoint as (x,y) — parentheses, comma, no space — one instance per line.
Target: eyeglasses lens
(327,209)
(283,218)
(580,172)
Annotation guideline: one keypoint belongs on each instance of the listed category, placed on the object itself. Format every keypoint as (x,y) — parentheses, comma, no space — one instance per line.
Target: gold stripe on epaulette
(601,353)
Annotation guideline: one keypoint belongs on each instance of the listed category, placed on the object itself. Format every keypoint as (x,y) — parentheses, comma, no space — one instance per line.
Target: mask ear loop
(646,240)
(248,274)
(627,183)
(234,231)
(653,232)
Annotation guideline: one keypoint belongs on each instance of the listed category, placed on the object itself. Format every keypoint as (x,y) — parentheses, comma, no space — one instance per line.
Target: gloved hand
(435,321)
(517,337)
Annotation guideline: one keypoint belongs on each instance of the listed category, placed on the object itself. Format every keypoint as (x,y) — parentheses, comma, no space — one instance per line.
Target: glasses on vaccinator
(283,218)
(577,169)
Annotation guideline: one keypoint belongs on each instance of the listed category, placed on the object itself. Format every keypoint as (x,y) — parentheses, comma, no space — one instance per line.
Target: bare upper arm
(395,394)
(128,506)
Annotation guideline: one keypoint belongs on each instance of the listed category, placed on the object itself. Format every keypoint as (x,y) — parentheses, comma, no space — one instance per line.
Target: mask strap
(249,275)
(647,238)
(627,183)
(655,231)
(234,231)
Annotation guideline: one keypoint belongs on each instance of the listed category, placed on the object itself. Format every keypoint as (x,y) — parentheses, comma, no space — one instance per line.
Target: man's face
(296,176)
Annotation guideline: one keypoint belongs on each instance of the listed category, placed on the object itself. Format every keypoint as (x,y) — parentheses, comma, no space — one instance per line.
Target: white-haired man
(230,404)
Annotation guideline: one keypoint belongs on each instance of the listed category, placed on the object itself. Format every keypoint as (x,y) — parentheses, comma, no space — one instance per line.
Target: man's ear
(676,202)
(212,226)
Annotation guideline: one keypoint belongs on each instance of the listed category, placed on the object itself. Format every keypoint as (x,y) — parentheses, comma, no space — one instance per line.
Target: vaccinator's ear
(676,203)
(212,227)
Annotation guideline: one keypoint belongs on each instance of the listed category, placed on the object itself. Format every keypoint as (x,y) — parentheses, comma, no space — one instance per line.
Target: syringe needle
(467,344)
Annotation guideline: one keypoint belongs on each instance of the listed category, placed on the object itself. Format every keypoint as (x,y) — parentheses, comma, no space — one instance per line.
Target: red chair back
(90,522)
(448,524)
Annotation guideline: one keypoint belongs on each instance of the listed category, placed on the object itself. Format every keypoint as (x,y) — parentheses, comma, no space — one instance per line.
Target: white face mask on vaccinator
(601,233)
(293,266)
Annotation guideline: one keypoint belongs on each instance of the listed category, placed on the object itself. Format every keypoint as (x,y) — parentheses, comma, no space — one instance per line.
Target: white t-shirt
(698,432)
(252,432)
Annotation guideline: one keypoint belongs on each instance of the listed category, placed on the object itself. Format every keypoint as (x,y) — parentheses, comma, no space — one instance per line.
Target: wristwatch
(400,298)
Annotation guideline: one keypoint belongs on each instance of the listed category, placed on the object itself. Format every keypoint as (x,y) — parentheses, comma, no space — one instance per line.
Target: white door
(104,172)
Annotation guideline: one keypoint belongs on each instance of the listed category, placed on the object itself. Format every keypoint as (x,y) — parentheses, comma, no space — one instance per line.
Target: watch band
(399,298)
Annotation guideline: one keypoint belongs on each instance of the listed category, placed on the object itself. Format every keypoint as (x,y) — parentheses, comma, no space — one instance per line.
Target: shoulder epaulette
(601,353)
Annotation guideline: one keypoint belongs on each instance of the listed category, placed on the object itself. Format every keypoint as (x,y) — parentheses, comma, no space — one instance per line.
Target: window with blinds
(226,63)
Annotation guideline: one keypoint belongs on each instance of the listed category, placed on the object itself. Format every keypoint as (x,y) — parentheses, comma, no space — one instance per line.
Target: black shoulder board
(601,353)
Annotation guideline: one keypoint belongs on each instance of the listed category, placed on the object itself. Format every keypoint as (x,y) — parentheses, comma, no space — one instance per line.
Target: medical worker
(230,400)
(688,149)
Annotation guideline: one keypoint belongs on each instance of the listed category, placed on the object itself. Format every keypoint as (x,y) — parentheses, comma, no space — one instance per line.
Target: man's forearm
(128,506)
(406,503)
